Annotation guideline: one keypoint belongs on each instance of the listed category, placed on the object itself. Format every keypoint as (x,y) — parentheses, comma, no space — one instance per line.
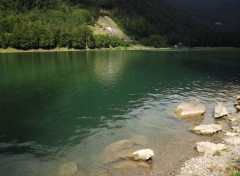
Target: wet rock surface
(191,107)
(220,110)
(209,148)
(142,155)
(206,129)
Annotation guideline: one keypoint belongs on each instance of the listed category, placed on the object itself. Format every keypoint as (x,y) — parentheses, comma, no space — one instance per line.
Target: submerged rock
(120,155)
(206,129)
(68,169)
(140,139)
(129,164)
(118,151)
(142,155)
(190,108)
(220,110)
(209,148)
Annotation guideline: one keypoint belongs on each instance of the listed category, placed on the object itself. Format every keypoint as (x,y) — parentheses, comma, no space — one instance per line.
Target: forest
(33,24)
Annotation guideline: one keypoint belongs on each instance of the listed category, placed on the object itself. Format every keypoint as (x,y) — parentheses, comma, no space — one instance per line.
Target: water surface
(68,106)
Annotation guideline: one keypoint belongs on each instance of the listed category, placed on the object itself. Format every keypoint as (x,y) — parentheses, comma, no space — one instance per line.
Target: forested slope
(220,15)
(33,24)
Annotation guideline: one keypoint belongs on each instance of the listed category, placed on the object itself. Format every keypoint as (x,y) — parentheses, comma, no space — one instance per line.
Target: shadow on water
(223,65)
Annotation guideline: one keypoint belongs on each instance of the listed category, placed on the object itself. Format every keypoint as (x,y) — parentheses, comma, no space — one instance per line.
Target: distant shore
(133,47)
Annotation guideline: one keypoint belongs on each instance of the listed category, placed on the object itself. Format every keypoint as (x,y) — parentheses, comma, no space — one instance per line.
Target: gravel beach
(222,163)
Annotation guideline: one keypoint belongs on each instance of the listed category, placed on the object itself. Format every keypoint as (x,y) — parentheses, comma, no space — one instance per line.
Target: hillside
(106,26)
(80,24)
(220,15)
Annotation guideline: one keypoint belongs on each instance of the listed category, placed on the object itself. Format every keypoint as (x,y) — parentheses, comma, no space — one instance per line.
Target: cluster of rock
(193,107)
(132,154)
(216,157)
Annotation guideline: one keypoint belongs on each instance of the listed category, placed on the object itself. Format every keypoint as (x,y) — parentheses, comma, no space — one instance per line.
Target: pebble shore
(223,163)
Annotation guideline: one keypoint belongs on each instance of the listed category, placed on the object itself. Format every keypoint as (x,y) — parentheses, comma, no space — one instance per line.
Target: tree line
(33,24)
(46,26)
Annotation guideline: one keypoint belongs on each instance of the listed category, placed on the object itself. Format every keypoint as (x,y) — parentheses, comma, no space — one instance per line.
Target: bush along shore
(215,159)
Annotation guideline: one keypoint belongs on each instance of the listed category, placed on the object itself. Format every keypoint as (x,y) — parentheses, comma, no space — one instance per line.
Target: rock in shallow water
(209,148)
(191,107)
(117,155)
(68,169)
(206,129)
(142,155)
(118,151)
(220,110)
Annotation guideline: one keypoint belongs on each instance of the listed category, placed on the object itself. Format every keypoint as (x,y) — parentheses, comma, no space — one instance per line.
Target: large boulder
(209,148)
(191,107)
(237,103)
(220,110)
(206,129)
(142,155)
(68,169)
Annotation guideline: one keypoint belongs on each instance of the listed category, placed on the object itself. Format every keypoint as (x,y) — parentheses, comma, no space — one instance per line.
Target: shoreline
(222,163)
(134,47)
(131,48)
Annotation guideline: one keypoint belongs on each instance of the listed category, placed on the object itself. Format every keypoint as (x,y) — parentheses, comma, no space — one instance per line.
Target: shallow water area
(59,107)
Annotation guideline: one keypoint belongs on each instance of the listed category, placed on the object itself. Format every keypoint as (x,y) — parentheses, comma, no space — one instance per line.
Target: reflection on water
(108,67)
(68,106)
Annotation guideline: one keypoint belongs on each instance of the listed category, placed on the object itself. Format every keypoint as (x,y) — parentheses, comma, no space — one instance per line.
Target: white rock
(142,155)
(206,129)
(68,169)
(209,148)
(220,110)
(190,108)
(233,140)
(229,134)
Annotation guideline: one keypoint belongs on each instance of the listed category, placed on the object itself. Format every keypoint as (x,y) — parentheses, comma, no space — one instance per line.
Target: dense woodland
(33,24)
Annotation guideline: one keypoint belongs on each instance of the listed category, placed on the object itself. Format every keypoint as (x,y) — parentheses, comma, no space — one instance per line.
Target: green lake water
(57,107)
